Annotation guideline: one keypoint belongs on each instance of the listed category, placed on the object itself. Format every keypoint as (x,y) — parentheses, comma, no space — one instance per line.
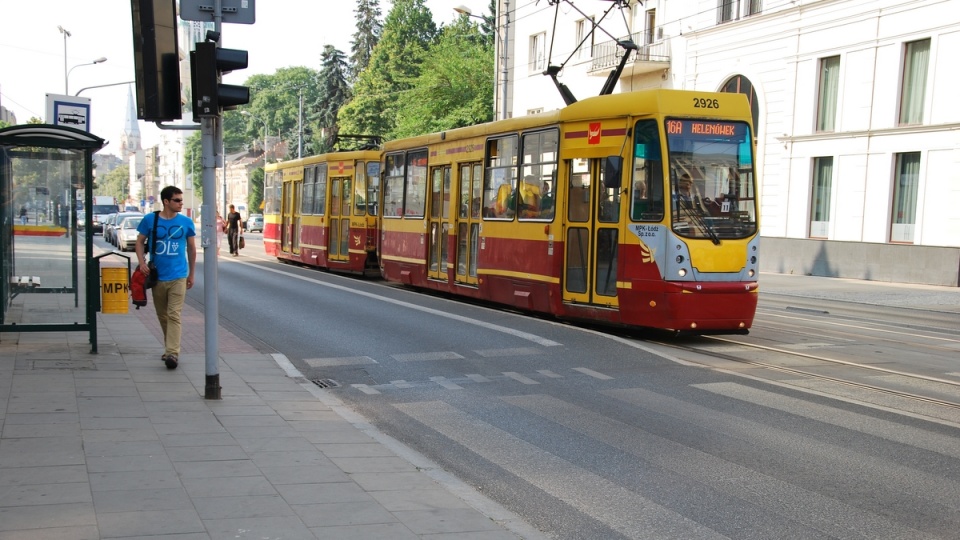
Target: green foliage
(366,37)
(115,182)
(455,87)
(394,68)
(255,198)
(275,105)
(334,92)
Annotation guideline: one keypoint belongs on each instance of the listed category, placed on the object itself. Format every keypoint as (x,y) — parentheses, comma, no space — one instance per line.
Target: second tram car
(637,209)
(322,211)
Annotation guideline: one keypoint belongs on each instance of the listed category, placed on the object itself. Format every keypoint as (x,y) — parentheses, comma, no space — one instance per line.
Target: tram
(637,209)
(321,211)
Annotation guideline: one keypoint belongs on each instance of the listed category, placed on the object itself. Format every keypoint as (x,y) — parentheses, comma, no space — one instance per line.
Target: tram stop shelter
(50,277)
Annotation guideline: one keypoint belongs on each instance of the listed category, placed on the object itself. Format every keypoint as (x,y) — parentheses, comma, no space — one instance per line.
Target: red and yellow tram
(321,211)
(636,209)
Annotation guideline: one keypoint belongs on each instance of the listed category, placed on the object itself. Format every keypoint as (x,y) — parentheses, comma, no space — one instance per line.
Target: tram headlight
(682,272)
(750,272)
(753,260)
(679,259)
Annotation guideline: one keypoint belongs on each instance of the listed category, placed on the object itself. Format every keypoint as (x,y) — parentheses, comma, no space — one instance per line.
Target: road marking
(592,373)
(519,378)
(419,357)
(365,389)
(542,341)
(442,381)
(401,384)
(476,377)
(518,351)
(625,511)
(550,374)
(342,361)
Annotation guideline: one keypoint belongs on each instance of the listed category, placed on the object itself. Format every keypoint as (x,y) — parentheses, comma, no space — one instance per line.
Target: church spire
(130,140)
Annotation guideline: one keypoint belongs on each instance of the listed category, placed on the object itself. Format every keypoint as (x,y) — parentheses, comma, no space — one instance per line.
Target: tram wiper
(696,216)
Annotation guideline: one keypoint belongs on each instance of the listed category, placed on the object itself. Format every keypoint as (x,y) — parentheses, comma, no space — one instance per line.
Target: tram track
(811,375)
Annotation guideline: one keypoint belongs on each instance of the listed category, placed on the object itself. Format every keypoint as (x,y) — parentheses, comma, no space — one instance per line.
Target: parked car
(126,232)
(254,223)
(110,227)
(105,223)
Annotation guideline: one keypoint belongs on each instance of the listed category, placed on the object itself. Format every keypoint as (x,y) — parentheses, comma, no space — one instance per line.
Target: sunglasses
(177,200)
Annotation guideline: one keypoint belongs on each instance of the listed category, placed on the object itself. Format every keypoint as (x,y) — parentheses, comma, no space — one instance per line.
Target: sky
(286,33)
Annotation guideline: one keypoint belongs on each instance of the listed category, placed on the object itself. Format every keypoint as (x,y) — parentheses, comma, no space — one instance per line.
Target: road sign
(72,111)
(231,11)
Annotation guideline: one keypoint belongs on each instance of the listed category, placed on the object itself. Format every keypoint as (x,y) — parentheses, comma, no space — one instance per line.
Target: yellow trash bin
(114,290)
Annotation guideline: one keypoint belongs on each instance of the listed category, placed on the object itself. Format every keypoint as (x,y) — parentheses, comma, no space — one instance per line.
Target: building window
(827,101)
(651,27)
(820,198)
(754,6)
(585,39)
(905,184)
(742,85)
(724,11)
(916,57)
(538,52)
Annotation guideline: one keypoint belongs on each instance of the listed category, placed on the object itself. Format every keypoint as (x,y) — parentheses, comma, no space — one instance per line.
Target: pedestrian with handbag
(234,230)
(173,254)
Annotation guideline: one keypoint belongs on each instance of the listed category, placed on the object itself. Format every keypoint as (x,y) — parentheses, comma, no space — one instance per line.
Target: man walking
(234,230)
(174,256)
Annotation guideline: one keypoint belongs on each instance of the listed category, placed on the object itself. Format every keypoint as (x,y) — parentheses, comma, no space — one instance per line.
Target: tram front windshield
(712,182)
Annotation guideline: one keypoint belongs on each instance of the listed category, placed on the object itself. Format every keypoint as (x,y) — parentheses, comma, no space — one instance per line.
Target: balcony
(652,56)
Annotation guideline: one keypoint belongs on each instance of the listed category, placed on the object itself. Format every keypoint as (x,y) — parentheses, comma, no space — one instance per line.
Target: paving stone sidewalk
(114,445)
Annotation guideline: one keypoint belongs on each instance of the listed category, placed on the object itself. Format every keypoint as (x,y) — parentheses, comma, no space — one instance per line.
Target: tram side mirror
(612,171)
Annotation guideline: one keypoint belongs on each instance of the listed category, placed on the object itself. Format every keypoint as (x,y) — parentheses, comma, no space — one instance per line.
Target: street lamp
(66,83)
(66,33)
(502,38)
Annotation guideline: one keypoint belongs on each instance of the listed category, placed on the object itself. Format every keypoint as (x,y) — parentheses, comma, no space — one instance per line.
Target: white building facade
(856,116)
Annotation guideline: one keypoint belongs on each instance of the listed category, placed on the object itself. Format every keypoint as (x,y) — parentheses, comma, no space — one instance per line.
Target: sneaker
(171,361)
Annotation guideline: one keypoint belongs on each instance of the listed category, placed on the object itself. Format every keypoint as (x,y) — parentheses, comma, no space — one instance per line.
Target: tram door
(592,235)
(439,222)
(286,216)
(341,189)
(468,222)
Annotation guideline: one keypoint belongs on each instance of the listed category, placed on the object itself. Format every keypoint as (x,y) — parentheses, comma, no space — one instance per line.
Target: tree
(334,91)
(366,37)
(275,105)
(115,182)
(394,68)
(255,199)
(455,88)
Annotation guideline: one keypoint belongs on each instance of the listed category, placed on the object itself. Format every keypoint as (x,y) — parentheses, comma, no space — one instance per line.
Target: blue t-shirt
(170,255)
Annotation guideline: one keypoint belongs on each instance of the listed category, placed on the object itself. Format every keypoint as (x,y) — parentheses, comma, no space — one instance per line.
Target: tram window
(647,181)
(271,191)
(539,154)
(359,190)
(309,183)
(320,191)
(500,178)
(373,187)
(393,186)
(416,184)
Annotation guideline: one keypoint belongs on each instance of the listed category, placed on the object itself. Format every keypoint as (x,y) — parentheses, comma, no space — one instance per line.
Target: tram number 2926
(701,103)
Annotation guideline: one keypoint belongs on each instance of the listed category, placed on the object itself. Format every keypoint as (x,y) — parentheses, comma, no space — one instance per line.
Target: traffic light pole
(208,222)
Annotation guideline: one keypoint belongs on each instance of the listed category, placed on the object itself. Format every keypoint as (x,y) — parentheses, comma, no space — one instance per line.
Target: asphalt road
(587,434)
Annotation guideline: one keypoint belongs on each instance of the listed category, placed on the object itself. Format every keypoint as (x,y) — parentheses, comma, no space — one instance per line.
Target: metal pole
(66,75)
(503,66)
(299,128)
(208,217)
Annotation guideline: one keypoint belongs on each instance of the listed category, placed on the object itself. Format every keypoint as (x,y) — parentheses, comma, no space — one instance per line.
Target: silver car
(126,232)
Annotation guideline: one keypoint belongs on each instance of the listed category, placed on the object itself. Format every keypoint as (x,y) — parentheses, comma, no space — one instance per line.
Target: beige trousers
(168,297)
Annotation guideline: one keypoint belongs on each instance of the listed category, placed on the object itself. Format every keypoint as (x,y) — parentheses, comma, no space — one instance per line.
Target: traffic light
(207,63)
(156,59)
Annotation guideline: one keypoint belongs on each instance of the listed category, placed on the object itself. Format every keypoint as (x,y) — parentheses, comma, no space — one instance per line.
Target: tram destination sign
(231,11)
(711,129)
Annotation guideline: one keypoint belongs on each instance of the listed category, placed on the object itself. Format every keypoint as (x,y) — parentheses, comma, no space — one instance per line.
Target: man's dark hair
(168,192)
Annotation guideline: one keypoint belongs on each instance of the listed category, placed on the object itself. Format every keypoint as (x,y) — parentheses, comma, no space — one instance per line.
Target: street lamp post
(66,33)
(502,37)
(66,83)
